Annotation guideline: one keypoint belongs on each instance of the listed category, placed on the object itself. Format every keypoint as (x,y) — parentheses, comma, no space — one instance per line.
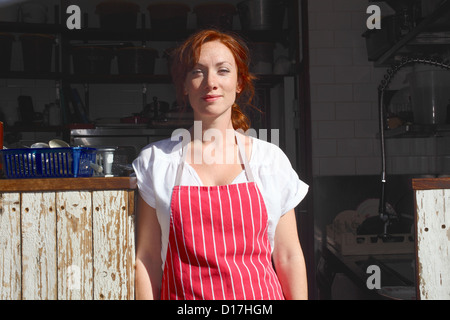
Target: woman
(209,229)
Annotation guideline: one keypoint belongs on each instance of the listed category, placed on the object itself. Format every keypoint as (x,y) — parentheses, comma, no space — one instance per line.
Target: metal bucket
(261,14)
(430,95)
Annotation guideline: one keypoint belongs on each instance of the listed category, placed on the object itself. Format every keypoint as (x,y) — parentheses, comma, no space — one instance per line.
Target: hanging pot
(261,14)
(216,15)
(168,16)
(117,15)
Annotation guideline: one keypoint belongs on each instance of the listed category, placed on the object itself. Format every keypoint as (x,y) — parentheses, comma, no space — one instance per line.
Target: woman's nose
(211,81)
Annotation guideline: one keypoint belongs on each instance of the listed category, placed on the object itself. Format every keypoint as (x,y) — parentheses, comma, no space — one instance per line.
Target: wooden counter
(69,238)
(432,202)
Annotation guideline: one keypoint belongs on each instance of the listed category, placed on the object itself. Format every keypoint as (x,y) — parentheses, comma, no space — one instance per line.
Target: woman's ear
(239,87)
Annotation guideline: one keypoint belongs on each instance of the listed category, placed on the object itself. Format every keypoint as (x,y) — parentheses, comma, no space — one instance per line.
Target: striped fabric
(218,245)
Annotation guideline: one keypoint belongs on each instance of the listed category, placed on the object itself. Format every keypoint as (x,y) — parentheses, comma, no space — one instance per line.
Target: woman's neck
(213,131)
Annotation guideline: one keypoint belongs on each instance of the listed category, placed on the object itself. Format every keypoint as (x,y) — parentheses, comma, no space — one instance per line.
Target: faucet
(383,214)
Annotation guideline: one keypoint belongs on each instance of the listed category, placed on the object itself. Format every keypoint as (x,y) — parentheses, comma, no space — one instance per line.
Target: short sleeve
(293,190)
(143,168)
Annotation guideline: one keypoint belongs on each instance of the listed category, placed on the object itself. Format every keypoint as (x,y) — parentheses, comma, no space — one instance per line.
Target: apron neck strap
(242,155)
(244,159)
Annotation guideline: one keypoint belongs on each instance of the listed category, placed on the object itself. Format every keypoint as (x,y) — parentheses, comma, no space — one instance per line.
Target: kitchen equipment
(39,145)
(378,41)
(136,118)
(54,114)
(168,16)
(430,94)
(261,14)
(6,41)
(136,60)
(218,15)
(92,59)
(48,162)
(105,159)
(56,143)
(32,12)
(261,57)
(37,50)
(156,110)
(117,15)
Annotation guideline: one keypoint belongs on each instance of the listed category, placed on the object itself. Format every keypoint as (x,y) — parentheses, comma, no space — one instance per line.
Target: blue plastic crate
(48,162)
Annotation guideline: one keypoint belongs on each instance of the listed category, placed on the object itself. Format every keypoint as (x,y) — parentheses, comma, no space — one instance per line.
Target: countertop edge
(430,183)
(67,184)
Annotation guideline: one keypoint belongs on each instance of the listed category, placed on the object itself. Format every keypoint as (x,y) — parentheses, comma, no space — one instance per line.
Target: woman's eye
(196,71)
(223,71)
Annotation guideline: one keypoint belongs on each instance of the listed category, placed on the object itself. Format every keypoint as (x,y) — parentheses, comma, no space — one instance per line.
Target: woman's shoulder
(164,151)
(265,152)
(167,147)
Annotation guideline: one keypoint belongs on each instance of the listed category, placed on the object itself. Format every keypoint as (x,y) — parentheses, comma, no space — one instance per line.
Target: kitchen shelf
(31,75)
(419,131)
(22,27)
(146,34)
(34,128)
(433,24)
(263,80)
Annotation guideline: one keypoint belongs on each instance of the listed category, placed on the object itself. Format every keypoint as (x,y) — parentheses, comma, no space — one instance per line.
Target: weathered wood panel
(113,250)
(39,265)
(67,245)
(131,240)
(74,234)
(10,247)
(433,243)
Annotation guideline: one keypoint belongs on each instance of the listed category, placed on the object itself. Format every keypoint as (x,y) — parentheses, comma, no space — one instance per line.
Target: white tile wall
(345,101)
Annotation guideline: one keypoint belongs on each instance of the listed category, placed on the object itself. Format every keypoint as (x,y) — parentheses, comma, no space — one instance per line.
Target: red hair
(186,56)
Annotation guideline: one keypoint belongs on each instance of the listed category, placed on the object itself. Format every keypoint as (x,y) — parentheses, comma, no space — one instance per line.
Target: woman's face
(212,84)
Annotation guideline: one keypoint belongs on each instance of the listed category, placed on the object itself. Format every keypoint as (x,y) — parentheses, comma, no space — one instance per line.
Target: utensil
(40,145)
(56,143)
(97,168)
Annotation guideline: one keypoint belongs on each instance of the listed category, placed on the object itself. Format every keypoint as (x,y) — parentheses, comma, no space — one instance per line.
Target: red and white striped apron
(218,243)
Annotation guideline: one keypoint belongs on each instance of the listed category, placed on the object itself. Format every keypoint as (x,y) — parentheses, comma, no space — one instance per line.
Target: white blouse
(156,170)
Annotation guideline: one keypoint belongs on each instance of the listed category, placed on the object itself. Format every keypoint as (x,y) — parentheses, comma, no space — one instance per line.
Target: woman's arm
(148,253)
(288,259)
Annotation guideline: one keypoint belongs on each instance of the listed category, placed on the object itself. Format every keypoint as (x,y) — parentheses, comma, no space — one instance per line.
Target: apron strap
(180,168)
(242,155)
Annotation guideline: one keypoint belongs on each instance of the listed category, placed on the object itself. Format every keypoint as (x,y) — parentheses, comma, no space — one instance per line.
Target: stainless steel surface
(128,131)
(130,137)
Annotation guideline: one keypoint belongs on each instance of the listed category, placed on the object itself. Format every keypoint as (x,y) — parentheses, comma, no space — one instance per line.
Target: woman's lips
(211,97)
